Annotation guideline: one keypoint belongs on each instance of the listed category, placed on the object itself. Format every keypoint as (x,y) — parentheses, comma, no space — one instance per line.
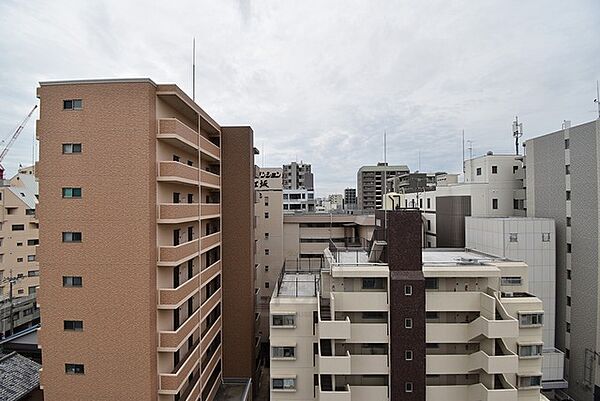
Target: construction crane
(12,140)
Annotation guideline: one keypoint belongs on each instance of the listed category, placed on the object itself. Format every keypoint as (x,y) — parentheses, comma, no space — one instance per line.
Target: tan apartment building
(19,234)
(371,184)
(146,251)
(269,241)
(394,322)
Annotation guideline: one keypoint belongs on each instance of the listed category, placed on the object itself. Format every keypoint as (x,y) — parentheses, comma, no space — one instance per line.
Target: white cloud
(321,81)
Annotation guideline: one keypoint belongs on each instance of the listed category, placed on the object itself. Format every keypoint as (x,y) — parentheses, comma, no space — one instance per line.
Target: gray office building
(562,183)
(350,198)
(371,183)
(298,176)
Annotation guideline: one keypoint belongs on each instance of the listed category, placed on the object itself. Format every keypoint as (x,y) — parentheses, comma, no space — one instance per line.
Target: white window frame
(279,352)
(539,316)
(287,384)
(286,317)
(536,350)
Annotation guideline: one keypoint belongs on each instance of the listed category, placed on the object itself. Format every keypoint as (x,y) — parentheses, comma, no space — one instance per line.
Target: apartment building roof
(401,167)
(19,376)
(25,188)
(302,284)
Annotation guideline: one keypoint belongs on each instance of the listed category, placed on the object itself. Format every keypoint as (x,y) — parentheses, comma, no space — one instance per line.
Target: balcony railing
(209,148)
(209,179)
(173,381)
(174,213)
(170,171)
(177,133)
(208,273)
(171,340)
(174,255)
(210,210)
(171,298)
(210,241)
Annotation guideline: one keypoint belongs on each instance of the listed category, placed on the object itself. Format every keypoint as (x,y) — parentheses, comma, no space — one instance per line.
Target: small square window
(71,237)
(513,237)
(190,163)
(569,248)
(19,260)
(408,323)
(567,144)
(267,252)
(567,169)
(266,235)
(67,104)
(478,170)
(74,369)
(568,222)
(31,258)
(266,215)
(176,158)
(408,290)
(568,195)
(408,387)
(494,169)
(77,104)
(266,268)
(408,355)
(568,274)
(545,237)
(266,284)
(494,203)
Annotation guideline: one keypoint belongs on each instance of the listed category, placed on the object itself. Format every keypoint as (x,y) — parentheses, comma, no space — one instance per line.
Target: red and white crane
(12,140)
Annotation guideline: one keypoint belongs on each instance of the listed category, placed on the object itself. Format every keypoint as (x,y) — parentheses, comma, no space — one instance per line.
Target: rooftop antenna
(597,99)
(194,70)
(463,152)
(419,164)
(517,133)
(470,143)
(384,182)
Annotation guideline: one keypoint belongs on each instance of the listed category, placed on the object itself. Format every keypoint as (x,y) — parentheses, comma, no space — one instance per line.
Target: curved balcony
(171,298)
(175,213)
(175,255)
(171,340)
(208,179)
(176,172)
(177,134)
(209,148)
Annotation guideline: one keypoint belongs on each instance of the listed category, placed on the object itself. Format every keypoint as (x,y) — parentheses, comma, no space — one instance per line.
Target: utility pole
(11,280)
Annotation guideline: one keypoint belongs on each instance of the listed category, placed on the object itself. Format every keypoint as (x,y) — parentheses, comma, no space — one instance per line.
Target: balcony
(207,274)
(369,364)
(473,392)
(462,364)
(210,241)
(210,334)
(361,301)
(465,332)
(208,179)
(176,172)
(210,210)
(336,365)
(171,298)
(209,148)
(337,329)
(172,382)
(211,302)
(371,393)
(175,213)
(177,134)
(171,340)
(337,395)
(174,255)
(369,332)
(207,371)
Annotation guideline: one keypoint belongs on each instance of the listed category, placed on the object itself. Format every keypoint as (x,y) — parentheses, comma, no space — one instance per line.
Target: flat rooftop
(299,285)
(231,390)
(438,256)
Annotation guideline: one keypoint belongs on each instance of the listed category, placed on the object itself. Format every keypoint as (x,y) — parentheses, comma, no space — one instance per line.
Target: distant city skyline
(317,89)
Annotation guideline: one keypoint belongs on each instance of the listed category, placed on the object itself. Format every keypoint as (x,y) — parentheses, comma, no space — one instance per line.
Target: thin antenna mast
(194,70)
(463,152)
(517,133)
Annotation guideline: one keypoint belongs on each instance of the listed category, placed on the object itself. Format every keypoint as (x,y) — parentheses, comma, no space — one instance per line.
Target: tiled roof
(19,376)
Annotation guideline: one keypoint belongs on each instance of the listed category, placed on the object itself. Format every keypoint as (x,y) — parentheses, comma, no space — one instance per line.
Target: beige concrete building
(377,324)
(146,252)
(269,241)
(371,184)
(306,235)
(19,237)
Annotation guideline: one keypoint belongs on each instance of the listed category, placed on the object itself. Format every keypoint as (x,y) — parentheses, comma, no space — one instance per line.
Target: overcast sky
(320,81)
